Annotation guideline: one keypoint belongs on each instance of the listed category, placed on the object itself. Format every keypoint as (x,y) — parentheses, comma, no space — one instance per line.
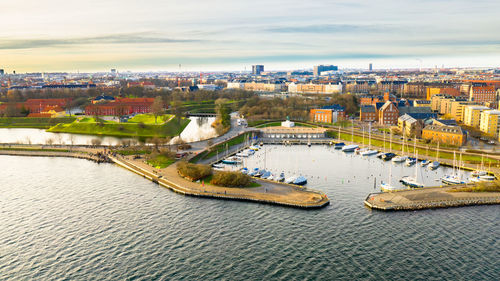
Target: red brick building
(483,94)
(368,113)
(122,106)
(328,114)
(388,114)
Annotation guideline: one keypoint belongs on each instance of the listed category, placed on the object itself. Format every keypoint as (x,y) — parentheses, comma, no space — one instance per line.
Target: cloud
(130,38)
(329,28)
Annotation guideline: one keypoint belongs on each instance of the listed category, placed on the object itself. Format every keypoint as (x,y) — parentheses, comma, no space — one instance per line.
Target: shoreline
(267,193)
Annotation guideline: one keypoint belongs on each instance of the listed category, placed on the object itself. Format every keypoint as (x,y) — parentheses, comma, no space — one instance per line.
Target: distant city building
(370,67)
(483,94)
(2,72)
(113,70)
(410,126)
(368,113)
(320,68)
(257,69)
(315,88)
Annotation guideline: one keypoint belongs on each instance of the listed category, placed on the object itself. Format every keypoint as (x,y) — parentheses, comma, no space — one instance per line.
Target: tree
(177,110)
(157,107)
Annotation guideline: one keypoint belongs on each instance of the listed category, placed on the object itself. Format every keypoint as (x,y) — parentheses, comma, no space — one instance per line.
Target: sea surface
(69,219)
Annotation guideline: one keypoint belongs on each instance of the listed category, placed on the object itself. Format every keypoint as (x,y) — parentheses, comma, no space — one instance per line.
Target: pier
(429,198)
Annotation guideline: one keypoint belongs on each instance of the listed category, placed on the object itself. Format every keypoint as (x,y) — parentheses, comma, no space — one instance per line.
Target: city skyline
(159,35)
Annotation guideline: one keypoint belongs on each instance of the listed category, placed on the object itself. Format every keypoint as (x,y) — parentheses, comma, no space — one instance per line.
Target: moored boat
(434,165)
(410,161)
(291,179)
(300,181)
(388,156)
(399,158)
(425,163)
(280,178)
(369,152)
(339,145)
(350,148)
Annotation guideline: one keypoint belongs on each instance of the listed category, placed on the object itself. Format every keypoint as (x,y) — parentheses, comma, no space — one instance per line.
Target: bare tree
(157,107)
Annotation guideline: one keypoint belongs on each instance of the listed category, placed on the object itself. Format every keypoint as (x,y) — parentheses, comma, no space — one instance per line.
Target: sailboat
(380,154)
(402,157)
(351,147)
(455,177)
(387,187)
(370,151)
(412,181)
(412,160)
(435,164)
(480,172)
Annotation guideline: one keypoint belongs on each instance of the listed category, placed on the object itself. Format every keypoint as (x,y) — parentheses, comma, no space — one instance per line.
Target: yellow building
(432,91)
(450,135)
(262,87)
(472,115)
(490,122)
(457,109)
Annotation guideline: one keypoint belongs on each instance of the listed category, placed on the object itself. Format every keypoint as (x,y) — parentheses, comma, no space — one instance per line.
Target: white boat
(218,166)
(425,163)
(487,178)
(455,177)
(350,148)
(242,154)
(480,171)
(452,179)
(360,150)
(280,177)
(410,161)
(412,181)
(388,187)
(399,159)
(369,152)
(435,164)
(232,160)
(291,179)
(254,147)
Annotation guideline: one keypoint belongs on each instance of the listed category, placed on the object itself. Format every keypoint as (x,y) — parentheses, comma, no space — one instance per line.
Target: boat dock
(429,198)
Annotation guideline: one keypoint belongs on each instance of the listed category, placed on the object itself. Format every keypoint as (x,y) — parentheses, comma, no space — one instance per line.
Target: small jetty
(429,198)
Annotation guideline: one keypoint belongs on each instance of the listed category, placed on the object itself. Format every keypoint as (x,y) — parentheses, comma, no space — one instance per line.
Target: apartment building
(472,115)
(490,122)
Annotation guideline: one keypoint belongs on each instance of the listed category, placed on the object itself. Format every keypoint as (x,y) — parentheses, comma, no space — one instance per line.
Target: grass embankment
(479,187)
(149,119)
(220,148)
(172,128)
(422,152)
(33,122)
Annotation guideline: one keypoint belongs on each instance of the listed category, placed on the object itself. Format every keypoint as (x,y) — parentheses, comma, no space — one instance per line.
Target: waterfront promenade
(267,192)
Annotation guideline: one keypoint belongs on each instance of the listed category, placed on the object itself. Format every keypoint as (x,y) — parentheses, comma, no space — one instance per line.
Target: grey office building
(257,69)
(320,68)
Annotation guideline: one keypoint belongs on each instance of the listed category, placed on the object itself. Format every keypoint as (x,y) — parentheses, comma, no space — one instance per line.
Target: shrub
(231,179)
(193,171)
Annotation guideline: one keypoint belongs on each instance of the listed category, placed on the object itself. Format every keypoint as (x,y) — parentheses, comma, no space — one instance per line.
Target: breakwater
(429,198)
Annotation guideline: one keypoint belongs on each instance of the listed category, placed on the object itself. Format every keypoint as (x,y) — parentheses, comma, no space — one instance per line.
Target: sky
(216,35)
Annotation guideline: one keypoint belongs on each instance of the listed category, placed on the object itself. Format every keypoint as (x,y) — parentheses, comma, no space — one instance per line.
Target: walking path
(267,192)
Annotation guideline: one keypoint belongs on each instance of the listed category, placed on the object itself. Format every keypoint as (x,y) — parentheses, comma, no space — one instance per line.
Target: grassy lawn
(222,147)
(149,119)
(33,122)
(160,161)
(172,128)
(423,153)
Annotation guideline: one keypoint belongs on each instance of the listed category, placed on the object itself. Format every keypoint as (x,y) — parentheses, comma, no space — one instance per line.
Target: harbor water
(69,219)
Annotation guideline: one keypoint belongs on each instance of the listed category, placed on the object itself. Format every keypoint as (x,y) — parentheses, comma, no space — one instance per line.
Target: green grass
(149,119)
(172,128)
(132,152)
(479,187)
(160,161)
(33,122)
